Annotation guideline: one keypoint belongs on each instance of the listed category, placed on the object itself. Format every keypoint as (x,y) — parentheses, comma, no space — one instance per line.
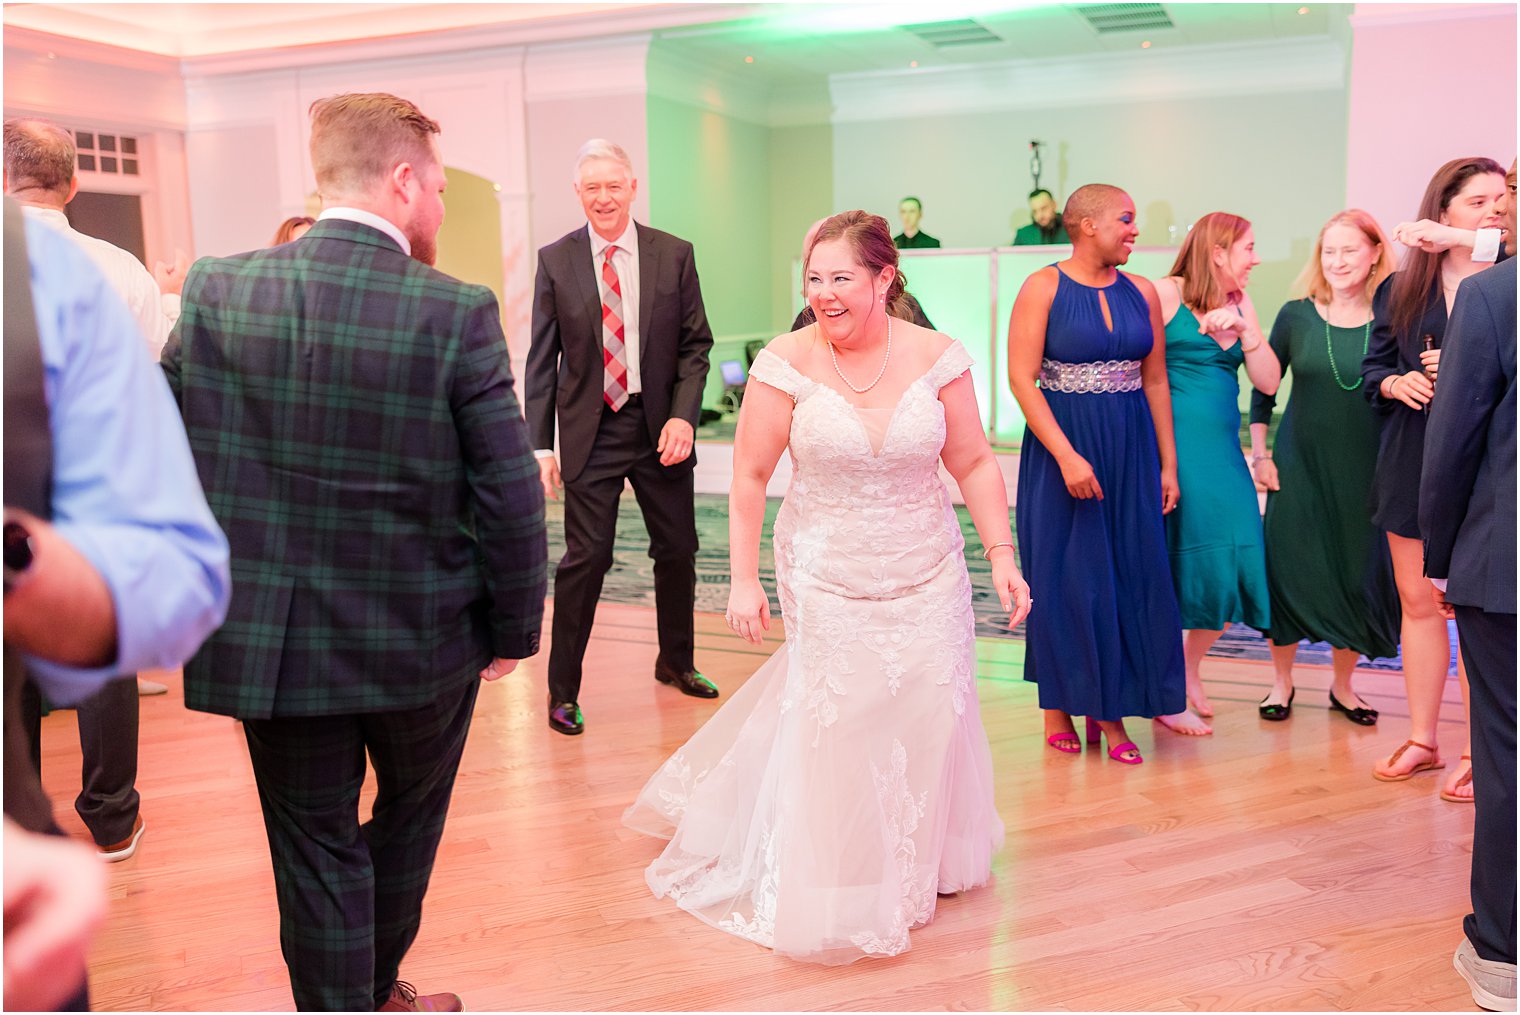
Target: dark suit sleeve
(1470,388)
(543,361)
(692,349)
(1282,338)
(505,493)
(1382,357)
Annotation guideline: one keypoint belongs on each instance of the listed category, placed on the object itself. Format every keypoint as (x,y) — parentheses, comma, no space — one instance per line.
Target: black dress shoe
(565,717)
(688,681)
(1360,716)
(1277,713)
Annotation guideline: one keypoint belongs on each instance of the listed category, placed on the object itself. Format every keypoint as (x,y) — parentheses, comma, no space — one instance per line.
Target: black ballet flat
(1360,716)
(1277,713)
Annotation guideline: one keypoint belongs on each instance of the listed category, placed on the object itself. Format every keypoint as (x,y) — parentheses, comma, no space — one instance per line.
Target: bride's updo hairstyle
(871,239)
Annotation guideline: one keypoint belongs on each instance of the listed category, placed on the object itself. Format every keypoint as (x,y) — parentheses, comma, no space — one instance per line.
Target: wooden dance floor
(1261,868)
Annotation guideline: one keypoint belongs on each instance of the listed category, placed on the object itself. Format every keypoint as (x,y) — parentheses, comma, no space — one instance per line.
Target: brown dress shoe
(404,997)
(124,849)
(686,681)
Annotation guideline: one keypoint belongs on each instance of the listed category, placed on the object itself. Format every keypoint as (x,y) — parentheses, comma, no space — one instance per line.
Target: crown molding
(693,81)
(30,40)
(601,26)
(579,70)
(1244,69)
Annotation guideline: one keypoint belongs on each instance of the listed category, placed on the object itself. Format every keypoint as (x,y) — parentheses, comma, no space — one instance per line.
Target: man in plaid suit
(352,418)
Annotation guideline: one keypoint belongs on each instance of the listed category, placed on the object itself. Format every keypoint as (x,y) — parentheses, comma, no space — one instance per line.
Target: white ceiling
(210,29)
(790,42)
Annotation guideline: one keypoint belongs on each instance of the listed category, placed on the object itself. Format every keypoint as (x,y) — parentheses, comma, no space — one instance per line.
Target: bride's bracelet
(987,553)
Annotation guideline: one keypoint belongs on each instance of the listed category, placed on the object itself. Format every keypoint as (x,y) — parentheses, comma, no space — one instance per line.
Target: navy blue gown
(1105,635)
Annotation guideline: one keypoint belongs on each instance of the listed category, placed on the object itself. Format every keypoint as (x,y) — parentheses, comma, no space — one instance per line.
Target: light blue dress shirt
(125,491)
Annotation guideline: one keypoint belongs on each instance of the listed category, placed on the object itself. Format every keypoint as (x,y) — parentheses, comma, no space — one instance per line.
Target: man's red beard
(425,249)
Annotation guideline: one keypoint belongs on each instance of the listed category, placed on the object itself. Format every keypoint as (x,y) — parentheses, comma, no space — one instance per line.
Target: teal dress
(1213,537)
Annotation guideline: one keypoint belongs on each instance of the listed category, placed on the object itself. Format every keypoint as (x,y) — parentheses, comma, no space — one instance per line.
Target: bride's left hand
(1012,589)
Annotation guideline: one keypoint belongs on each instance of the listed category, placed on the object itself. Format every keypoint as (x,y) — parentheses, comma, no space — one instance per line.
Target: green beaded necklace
(1330,349)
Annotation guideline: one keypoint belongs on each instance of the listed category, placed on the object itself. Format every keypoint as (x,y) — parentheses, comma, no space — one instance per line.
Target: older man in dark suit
(619,359)
(1467,515)
(352,418)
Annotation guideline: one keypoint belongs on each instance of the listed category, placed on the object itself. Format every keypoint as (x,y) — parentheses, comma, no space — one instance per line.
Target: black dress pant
(622,451)
(108,725)
(350,895)
(1488,649)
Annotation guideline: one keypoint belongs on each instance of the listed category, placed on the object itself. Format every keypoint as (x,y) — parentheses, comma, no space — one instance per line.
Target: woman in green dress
(1328,569)
(1214,536)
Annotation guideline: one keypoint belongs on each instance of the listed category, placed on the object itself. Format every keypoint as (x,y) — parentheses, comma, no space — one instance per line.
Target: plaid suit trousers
(350,896)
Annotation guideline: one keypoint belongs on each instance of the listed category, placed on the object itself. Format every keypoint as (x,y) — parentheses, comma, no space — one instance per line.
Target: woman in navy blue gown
(1097,471)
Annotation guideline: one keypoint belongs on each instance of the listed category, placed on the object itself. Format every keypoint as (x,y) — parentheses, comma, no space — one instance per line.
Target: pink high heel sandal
(1067,742)
(1115,751)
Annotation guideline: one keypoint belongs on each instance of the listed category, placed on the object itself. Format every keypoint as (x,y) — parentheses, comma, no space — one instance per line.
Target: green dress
(1213,536)
(1328,570)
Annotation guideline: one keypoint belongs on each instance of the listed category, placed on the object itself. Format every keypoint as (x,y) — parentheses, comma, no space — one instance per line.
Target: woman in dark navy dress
(1097,471)
(1398,378)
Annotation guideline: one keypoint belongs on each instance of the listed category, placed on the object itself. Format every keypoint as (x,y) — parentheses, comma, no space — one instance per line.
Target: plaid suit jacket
(353,421)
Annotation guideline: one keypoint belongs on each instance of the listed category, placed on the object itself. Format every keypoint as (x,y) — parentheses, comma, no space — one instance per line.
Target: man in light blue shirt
(125,496)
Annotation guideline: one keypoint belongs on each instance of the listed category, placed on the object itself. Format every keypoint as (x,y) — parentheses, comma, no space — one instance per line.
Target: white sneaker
(147,688)
(1492,983)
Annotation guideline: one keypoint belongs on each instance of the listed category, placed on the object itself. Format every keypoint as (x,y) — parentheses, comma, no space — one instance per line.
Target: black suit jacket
(1467,492)
(565,368)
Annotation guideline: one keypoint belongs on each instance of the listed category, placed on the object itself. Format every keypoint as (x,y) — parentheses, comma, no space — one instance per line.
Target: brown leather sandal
(1465,779)
(1434,763)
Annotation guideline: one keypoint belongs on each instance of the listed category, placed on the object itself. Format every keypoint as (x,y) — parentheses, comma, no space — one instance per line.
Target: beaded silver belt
(1090,378)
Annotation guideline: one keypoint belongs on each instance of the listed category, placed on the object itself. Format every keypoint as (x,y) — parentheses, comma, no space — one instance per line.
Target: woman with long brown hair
(1328,571)
(1214,538)
(1398,377)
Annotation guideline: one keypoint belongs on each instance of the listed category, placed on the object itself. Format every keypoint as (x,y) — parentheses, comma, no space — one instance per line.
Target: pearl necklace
(879,374)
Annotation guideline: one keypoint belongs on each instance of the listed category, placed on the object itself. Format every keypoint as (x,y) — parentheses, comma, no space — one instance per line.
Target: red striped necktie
(614,353)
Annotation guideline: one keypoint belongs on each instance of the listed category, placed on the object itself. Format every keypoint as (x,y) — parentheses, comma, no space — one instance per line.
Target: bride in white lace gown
(849,781)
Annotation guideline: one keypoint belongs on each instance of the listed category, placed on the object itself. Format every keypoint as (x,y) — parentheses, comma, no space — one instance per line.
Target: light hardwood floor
(1261,868)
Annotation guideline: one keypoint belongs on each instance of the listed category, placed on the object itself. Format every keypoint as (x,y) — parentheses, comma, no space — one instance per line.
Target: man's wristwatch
(18,553)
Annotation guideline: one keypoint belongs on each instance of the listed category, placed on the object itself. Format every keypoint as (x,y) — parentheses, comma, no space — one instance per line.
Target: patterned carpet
(631,579)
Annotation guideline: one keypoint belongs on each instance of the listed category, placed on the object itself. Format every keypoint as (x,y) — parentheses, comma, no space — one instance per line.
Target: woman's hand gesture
(1081,481)
(749,610)
(1012,589)
(1223,324)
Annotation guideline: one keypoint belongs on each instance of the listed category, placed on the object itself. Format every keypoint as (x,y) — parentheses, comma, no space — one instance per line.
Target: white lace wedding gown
(823,806)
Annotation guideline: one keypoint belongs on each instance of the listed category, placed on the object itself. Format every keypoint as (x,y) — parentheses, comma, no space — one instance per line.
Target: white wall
(1277,158)
(512,115)
(92,87)
(1406,115)
(574,93)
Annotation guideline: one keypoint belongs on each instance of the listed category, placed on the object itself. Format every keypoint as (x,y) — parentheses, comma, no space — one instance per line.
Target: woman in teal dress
(1214,538)
(1328,568)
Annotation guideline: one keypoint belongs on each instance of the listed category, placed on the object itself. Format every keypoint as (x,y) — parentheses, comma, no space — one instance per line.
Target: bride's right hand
(749,610)
(1081,481)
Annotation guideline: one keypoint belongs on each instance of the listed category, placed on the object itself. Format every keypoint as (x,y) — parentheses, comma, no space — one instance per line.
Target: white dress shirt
(369,218)
(124,273)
